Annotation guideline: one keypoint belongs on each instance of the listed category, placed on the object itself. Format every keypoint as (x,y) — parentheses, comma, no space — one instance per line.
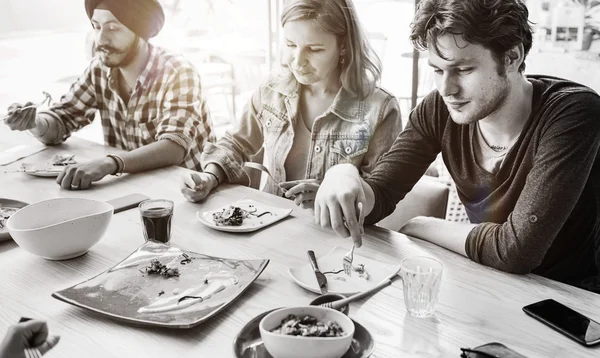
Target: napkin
(19,152)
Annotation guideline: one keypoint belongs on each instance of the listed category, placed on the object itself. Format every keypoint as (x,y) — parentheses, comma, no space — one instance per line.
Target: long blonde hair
(361,67)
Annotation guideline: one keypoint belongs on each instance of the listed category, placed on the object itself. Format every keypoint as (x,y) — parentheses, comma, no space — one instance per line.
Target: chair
(378,41)
(429,197)
(455,210)
(233,76)
(425,83)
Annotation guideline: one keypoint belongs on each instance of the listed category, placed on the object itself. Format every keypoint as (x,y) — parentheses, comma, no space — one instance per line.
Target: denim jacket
(350,131)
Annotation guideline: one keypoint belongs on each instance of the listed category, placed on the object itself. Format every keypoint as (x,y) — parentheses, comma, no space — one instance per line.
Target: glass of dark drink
(156,218)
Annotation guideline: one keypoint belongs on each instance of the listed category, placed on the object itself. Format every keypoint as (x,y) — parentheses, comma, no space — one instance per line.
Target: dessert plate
(337,281)
(257,216)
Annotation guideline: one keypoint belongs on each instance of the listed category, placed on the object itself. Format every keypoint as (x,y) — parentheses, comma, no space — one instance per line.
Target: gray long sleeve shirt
(540,212)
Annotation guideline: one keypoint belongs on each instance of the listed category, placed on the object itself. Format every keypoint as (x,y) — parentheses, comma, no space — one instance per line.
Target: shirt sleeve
(239,144)
(184,117)
(562,165)
(389,125)
(410,155)
(77,108)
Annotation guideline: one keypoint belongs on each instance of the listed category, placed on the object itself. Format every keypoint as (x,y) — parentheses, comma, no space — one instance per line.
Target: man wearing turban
(150,100)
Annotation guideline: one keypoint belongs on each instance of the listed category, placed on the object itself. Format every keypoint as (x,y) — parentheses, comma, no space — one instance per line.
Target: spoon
(336,305)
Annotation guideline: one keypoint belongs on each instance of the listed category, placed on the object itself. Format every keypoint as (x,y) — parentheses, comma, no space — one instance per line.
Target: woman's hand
(302,191)
(196,186)
(30,334)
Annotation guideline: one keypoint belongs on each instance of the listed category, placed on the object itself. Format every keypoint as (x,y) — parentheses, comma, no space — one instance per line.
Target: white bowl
(285,346)
(60,229)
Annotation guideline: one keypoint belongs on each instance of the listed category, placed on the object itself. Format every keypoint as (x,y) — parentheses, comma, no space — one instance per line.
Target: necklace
(495,148)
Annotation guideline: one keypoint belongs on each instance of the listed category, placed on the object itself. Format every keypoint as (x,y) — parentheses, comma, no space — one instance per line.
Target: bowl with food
(61,228)
(306,332)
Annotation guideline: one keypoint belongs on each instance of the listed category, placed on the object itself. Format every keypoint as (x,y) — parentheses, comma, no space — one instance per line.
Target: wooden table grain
(476,304)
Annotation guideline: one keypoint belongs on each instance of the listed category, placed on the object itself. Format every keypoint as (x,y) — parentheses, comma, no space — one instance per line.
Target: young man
(150,101)
(523,150)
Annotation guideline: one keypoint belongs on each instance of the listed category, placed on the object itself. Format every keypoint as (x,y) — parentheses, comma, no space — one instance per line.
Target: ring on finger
(74,187)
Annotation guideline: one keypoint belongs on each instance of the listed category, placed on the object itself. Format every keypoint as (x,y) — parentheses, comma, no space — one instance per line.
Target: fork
(47,98)
(32,353)
(263,169)
(347,262)
(349,257)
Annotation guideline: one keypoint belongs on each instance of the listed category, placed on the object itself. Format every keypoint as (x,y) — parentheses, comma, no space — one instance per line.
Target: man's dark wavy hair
(498,25)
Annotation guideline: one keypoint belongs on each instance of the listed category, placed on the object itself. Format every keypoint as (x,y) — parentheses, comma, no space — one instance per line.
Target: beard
(113,57)
(485,106)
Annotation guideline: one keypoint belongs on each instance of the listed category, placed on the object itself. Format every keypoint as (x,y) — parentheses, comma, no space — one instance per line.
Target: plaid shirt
(166,103)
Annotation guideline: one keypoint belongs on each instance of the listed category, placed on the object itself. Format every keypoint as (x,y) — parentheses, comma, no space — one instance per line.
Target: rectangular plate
(125,288)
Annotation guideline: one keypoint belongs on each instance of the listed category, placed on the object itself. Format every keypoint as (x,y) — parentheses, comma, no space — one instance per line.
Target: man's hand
(303,191)
(21,120)
(337,200)
(30,334)
(81,176)
(196,186)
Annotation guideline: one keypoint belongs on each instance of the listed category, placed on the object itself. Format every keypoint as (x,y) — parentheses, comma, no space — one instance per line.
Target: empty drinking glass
(421,278)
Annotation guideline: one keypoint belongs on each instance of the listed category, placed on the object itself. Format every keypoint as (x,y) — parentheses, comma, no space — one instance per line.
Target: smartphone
(565,320)
(127,202)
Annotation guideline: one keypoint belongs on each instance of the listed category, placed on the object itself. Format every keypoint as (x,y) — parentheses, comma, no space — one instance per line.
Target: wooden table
(476,304)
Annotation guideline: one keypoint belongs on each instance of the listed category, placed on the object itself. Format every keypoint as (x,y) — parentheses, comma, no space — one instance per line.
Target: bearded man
(149,100)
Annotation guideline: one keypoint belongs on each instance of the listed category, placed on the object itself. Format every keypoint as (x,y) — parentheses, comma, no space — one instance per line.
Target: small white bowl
(285,346)
(60,229)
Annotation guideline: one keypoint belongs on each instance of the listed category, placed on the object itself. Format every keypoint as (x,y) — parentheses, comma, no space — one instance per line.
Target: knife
(321,279)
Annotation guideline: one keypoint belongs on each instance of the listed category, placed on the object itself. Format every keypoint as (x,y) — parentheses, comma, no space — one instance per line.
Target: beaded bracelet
(119,162)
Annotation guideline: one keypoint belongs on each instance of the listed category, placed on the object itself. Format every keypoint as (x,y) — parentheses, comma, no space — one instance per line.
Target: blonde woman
(324,109)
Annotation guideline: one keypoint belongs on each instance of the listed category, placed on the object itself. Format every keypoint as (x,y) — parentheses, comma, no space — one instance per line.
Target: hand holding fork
(23,117)
(29,339)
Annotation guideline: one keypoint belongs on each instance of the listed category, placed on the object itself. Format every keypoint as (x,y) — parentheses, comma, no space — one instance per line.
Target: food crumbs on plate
(175,291)
(232,216)
(161,293)
(340,278)
(186,259)
(5,213)
(158,268)
(360,269)
(206,281)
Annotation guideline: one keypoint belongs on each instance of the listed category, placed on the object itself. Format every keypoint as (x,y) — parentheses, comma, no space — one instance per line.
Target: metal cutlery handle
(341,303)
(313,260)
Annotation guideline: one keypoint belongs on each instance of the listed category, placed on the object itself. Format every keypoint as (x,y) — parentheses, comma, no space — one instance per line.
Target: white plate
(42,170)
(4,234)
(340,283)
(249,224)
